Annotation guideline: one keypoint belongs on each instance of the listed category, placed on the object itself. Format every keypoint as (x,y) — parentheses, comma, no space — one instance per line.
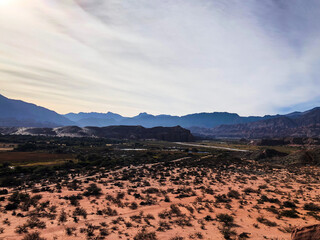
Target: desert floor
(201,198)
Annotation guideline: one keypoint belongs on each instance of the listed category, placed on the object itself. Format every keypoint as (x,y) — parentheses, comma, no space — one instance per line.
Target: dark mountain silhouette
(23,114)
(176,133)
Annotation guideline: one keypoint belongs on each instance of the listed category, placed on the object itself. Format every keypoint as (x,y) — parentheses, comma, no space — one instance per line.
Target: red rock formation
(306,233)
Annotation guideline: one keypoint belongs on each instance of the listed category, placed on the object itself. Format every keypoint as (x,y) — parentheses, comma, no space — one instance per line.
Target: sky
(175,57)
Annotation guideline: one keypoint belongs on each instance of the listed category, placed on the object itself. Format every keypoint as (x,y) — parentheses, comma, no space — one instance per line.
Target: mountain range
(207,120)
(22,114)
(16,113)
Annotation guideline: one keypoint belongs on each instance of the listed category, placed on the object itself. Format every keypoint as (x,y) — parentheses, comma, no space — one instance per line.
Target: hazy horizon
(128,116)
(161,57)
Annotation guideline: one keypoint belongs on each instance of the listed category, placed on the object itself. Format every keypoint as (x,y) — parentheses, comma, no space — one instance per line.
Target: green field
(34,158)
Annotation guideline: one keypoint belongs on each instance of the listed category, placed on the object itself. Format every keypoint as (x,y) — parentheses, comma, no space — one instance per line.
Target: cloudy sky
(252,57)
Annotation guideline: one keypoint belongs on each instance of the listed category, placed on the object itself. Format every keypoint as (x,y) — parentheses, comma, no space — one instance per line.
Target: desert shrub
(289,204)
(227,232)
(183,221)
(208,218)
(144,235)
(149,216)
(35,199)
(177,238)
(149,200)
(133,206)
(104,232)
(110,212)
(228,206)
(175,210)
(222,198)
(290,213)
(137,218)
(166,198)
(74,199)
(92,190)
(103,224)
(35,222)
(128,224)
(199,235)
(264,199)
(190,209)
(79,211)
(185,192)
(244,235)
(137,195)
(164,214)
(17,197)
(22,201)
(117,220)
(151,190)
(90,229)
(70,231)
(249,190)
(163,226)
(225,218)
(33,236)
(6,221)
(263,186)
(311,207)
(115,200)
(272,209)
(266,222)
(63,216)
(120,195)
(233,194)
(11,206)
(21,229)
(209,190)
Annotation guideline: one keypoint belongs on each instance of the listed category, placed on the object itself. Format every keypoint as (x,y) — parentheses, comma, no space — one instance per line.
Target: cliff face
(303,125)
(174,134)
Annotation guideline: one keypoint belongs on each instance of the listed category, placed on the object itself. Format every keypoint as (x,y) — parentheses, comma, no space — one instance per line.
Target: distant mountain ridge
(16,113)
(23,114)
(208,120)
(93,115)
(304,124)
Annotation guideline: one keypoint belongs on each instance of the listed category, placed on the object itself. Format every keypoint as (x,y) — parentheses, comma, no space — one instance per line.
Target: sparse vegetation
(106,191)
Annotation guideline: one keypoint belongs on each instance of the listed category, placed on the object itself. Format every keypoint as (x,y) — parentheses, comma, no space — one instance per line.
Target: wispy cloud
(161,56)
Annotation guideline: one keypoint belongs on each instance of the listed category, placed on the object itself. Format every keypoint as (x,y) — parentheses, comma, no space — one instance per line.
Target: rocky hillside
(306,124)
(175,134)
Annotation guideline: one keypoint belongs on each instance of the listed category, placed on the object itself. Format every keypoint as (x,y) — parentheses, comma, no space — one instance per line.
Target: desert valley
(159,120)
(60,187)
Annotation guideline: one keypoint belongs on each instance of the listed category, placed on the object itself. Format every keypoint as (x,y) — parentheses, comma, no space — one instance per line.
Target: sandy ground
(196,200)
